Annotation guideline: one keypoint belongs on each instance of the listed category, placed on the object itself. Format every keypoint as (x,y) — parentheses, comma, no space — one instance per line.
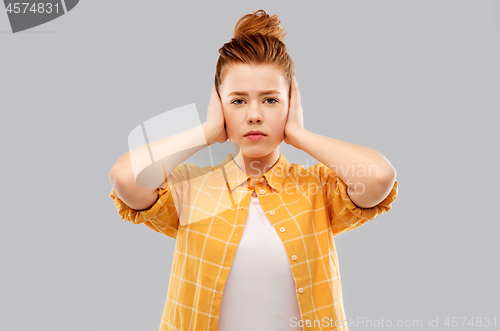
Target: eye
(232,102)
(272,99)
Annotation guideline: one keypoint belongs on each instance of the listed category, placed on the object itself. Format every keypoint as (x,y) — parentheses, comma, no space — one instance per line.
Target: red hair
(257,39)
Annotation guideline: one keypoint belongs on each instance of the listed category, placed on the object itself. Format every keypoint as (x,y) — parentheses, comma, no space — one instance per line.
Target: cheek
(279,123)
(230,123)
(283,118)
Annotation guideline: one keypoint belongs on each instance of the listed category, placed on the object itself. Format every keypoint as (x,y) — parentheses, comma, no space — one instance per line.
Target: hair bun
(259,23)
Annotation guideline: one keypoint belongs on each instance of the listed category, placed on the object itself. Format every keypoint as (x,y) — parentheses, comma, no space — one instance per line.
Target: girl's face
(254,97)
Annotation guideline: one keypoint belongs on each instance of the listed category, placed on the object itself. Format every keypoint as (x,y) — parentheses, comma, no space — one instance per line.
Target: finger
(215,95)
(293,93)
(218,94)
(213,91)
(296,87)
(294,84)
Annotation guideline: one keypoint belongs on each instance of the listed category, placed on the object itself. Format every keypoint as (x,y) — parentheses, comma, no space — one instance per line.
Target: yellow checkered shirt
(205,209)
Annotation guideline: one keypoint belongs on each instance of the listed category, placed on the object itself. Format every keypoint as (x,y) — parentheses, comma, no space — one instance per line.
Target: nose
(254,115)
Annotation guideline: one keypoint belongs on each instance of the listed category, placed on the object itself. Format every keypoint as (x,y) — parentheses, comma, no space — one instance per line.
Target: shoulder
(187,171)
(317,171)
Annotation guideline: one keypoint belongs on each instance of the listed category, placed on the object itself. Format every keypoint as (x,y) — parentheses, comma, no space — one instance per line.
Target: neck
(256,166)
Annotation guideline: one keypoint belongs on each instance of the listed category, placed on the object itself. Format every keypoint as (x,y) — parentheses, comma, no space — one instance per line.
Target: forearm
(362,169)
(149,164)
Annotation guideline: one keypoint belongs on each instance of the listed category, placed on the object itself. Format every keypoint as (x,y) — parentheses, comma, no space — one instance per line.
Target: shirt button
(262,180)
(262,191)
(282,229)
(294,257)
(271,212)
(301,290)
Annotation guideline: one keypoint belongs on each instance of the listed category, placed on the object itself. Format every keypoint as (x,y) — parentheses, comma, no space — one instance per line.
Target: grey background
(416,80)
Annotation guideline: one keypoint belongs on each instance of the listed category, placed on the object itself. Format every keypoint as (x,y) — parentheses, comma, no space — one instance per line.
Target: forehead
(252,78)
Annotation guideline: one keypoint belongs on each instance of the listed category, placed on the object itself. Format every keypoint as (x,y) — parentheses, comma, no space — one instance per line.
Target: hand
(215,120)
(295,120)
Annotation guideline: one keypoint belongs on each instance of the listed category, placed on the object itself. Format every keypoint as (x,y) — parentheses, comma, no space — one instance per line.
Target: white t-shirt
(260,292)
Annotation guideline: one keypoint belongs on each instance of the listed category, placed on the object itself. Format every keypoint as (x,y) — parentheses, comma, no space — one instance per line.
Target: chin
(257,152)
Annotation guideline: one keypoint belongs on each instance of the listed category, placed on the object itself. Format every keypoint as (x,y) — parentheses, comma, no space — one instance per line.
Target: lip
(255,132)
(255,136)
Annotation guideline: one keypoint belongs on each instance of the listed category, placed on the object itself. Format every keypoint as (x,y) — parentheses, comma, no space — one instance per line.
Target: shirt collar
(234,176)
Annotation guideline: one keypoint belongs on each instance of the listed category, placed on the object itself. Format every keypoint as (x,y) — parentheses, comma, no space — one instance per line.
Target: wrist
(296,136)
(207,131)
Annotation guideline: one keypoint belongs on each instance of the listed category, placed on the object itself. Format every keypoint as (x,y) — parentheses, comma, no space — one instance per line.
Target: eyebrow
(260,93)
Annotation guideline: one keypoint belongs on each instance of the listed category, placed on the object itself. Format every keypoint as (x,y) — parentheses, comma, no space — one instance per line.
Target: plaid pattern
(205,209)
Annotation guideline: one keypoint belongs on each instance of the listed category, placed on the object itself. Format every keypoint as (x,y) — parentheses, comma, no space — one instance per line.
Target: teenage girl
(255,234)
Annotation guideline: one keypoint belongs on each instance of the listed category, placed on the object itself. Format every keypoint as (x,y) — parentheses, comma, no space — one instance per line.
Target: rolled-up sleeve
(344,214)
(161,216)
